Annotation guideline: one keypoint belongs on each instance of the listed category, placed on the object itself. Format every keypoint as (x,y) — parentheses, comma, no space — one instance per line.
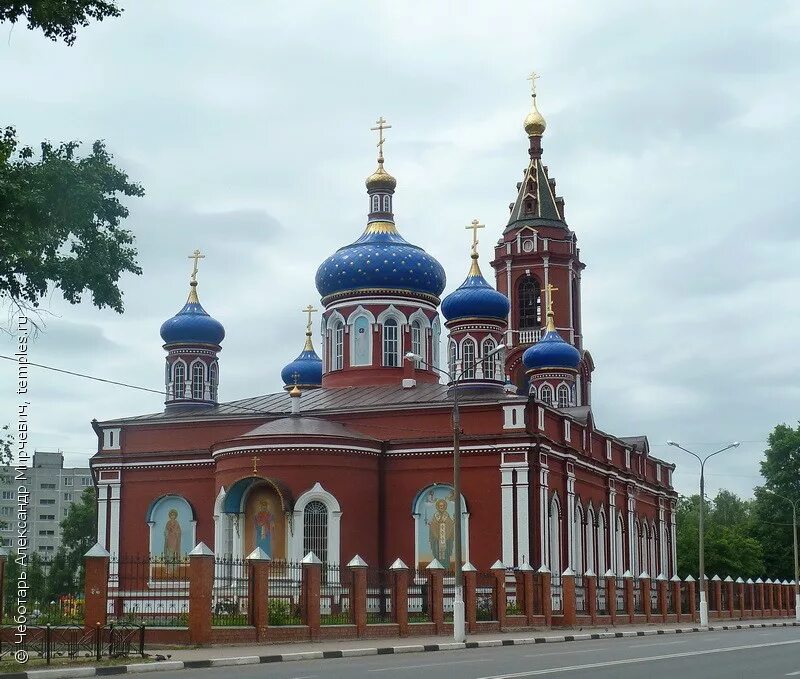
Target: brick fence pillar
(436,594)
(759,597)
(663,603)
(399,573)
(742,603)
(675,583)
(611,595)
(691,593)
(716,600)
(258,581)
(358,594)
(630,604)
(499,573)
(95,601)
(568,597)
(312,580)
(729,593)
(770,594)
(590,582)
(526,571)
(644,592)
(201,582)
(545,594)
(750,588)
(470,596)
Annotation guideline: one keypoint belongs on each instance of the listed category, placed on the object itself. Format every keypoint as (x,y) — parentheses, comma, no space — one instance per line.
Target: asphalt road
(758,653)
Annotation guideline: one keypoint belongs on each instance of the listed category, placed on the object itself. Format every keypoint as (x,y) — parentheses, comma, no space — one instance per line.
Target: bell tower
(536,252)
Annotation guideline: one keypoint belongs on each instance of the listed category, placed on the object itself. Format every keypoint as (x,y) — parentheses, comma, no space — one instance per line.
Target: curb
(172,665)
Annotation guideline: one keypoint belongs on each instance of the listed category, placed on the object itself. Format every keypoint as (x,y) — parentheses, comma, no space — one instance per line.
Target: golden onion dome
(534,121)
(381,179)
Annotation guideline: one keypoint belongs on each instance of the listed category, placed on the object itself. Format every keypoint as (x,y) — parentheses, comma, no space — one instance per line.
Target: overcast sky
(672,132)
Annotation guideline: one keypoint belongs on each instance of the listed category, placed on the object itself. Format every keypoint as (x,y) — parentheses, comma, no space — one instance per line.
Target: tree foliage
(60,217)
(58,19)
(78,534)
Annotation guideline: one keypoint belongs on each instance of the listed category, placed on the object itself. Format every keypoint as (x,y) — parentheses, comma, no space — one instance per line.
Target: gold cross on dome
(381,126)
(475,225)
(533,77)
(309,310)
(195,256)
(255,464)
(549,290)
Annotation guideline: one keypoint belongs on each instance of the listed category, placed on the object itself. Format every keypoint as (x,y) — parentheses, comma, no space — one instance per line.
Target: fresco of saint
(441,533)
(264,521)
(172,537)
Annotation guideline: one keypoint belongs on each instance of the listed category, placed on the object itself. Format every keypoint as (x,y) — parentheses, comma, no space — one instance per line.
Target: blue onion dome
(475,298)
(551,351)
(305,371)
(192,324)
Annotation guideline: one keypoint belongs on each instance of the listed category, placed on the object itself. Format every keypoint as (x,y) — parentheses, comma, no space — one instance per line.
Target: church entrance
(265,522)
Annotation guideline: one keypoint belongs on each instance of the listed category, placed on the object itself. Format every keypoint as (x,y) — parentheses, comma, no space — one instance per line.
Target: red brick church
(355,455)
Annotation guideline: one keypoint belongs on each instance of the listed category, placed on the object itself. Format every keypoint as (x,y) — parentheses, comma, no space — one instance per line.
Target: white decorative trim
(319,494)
(111,436)
(392,312)
(507,512)
(514,417)
(523,528)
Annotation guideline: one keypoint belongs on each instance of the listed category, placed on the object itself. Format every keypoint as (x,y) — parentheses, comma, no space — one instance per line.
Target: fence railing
(485,600)
(285,593)
(149,591)
(379,596)
(335,598)
(602,596)
(419,604)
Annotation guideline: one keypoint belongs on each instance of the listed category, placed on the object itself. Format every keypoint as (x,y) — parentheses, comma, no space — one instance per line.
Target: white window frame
(198,385)
(490,363)
(318,493)
(391,324)
(418,344)
(337,346)
(547,390)
(179,393)
(376,203)
(468,368)
(562,395)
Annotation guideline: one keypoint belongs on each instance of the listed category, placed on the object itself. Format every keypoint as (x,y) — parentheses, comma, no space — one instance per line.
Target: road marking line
(793,674)
(437,664)
(565,652)
(631,661)
(664,643)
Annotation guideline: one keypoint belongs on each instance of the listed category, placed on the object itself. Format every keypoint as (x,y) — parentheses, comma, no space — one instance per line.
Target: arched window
(489,361)
(530,304)
(589,536)
(577,539)
(315,530)
(619,547)
(555,536)
(452,358)
(563,396)
(361,342)
(337,347)
(638,539)
(468,360)
(198,380)
(418,344)
(387,203)
(602,562)
(435,343)
(391,344)
(376,203)
(546,394)
(214,379)
(179,380)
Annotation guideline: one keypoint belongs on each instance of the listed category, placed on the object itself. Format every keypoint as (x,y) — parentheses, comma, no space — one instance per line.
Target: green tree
(57,19)
(60,217)
(78,534)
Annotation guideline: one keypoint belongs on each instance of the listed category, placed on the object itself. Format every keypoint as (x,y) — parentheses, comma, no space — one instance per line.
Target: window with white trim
(608,450)
(436,343)
(179,380)
(337,349)
(376,203)
(417,344)
(563,396)
(391,344)
(567,430)
(198,378)
(315,530)
(546,394)
(468,360)
(387,203)
(452,358)
(489,359)
(361,342)
(214,381)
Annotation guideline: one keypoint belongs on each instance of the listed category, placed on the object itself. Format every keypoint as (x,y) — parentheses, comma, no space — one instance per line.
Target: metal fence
(602,596)
(620,597)
(379,596)
(56,591)
(285,593)
(556,593)
(335,597)
(654,595)
(485,604)
(638,603)
(419,609)
(149,591)
(231,593)
(580,595)
(71,642)
(448,594)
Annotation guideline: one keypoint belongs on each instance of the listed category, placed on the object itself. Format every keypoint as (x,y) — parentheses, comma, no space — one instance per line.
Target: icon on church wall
(435,511)
(265,525)
(170,537)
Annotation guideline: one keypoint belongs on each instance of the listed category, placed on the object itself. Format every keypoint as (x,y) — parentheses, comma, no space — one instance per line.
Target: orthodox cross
(533,77)
(309,310)
(195,256)
(475,225)
(381,126)
(255,464)
(549,290)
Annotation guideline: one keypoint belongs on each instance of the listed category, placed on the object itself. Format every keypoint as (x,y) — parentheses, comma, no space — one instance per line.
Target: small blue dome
(307,367)
(475,298)
(380,259)
(551,352)
(192,325)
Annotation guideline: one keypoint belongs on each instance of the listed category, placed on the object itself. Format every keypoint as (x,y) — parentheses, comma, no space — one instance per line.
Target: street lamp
(459,632)
(794,536)
(701,529)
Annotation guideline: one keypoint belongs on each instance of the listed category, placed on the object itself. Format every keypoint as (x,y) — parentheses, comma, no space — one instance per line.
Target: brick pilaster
(436,594)
(312,579)
(663,598)
(690,586)
(499,573)
(546,595)
(644,592)
(358,595)
(590,582)
(258,577)
(530,593)
(568,597)
(675,583)
(611,596)
(630,603)
(399,573)
(201,582)
(95,607)
(470,597)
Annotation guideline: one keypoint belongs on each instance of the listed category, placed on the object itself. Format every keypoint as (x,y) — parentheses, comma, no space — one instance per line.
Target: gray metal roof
(304,426)
(326,401)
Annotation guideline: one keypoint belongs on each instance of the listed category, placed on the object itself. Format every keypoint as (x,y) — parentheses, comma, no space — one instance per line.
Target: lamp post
(796,565)
(701,527)
(459,627)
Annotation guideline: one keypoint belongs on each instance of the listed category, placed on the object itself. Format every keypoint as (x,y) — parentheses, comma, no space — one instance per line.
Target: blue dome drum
(192,324)
(475,298)
(551,352)
(306,370)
